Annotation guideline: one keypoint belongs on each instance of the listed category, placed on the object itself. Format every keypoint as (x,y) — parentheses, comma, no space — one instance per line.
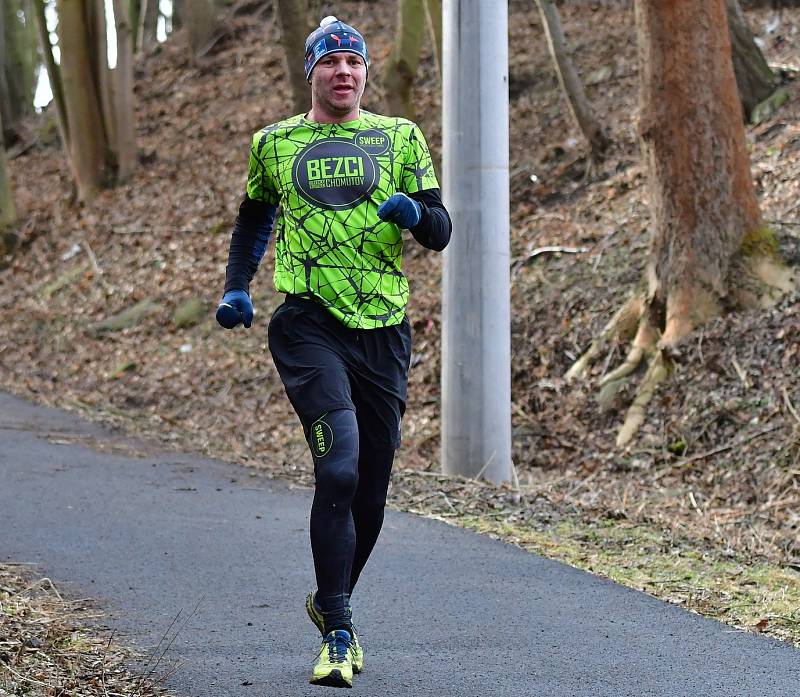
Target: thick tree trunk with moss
(710,251)
(88,146)
(404,58)
(754,78)
(292,16)
(570,81)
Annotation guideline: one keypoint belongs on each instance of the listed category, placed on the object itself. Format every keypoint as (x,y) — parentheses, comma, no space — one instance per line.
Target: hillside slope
(718,460)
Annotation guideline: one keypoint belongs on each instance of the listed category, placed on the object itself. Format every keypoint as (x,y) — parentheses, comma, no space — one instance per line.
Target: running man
(337,186)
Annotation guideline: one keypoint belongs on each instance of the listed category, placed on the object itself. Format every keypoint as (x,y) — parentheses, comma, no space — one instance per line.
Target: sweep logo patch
(375,142)
(335,174)
(321,438)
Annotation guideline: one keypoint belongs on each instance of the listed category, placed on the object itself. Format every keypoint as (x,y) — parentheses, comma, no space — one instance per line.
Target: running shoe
(334,665)
(315,615)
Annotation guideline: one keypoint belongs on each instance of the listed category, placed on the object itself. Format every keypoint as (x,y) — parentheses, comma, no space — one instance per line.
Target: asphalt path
(440,611)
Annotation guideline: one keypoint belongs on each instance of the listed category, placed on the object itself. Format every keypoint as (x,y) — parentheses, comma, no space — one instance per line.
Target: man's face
(337,83)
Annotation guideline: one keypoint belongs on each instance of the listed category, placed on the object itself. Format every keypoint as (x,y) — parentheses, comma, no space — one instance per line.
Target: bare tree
(754,77)
(403,60)
(433,10)
(7,211)
(146,33)
(123,103)
(94,105)
(201,24)
(711,251)
(178,14)
(53,69)
(19,62)
(88,145)
(292,17)
(570,81)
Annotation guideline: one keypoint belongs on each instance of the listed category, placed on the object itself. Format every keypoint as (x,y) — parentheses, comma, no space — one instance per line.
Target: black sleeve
(435,226)
(251,233)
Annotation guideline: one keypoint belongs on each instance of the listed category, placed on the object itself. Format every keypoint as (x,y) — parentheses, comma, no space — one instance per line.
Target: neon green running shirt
(329,179)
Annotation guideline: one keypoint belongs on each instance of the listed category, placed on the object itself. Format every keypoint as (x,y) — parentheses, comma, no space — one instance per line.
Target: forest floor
(702,510)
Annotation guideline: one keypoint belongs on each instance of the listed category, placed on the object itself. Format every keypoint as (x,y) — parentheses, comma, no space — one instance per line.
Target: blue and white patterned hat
(333,36)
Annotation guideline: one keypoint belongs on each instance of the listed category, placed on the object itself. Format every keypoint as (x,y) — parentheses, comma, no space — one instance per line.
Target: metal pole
(476,336)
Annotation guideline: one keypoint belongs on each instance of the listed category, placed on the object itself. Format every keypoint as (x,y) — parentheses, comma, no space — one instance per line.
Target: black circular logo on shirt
(335,174)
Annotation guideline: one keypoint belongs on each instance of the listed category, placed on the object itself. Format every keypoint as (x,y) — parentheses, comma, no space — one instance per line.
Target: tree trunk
(404,58)
(104,83)
(53,70)
(292,17)
(7,212)
(20,61)
(5,97)
(123,102)
(148,24)
(754,78)
(570,81)
(134,17)
(710,250)
(434,12)
(201,23)
(178,14)
(88,142)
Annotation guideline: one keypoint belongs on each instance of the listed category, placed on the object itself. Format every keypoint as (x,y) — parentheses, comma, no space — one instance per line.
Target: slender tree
(711,252)
(134,16)
(433,10)
(20,63)
(292,16)
(88,145)
(7,211)
(36,8)
(123,103)
(754,77)
(179,12)
(404,58)
(95,13)
(570,80)
(201,24)
(147,30)
(5,99)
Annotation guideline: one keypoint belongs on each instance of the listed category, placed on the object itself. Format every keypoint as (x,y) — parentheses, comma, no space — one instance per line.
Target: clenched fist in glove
(400,209)
(236,307)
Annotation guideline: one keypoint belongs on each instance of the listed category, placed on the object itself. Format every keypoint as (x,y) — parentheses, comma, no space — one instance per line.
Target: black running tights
(347,513)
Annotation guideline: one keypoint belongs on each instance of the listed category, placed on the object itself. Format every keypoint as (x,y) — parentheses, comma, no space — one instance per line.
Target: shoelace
(337,648)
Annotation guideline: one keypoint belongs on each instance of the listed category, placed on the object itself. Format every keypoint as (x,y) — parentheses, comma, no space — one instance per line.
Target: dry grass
(52,646)
(666,563)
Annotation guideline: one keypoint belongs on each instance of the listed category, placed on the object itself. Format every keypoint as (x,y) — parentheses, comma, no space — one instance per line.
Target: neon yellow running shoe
(315,615)
(334,665)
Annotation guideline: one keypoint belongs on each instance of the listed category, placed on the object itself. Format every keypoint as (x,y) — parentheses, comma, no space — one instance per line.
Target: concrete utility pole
(476,336)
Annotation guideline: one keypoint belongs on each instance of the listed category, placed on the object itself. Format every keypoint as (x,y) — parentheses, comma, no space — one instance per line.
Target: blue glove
(235,307)
(400,209)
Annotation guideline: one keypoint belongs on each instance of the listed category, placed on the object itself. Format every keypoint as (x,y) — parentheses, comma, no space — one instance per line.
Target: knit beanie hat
(333,36)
